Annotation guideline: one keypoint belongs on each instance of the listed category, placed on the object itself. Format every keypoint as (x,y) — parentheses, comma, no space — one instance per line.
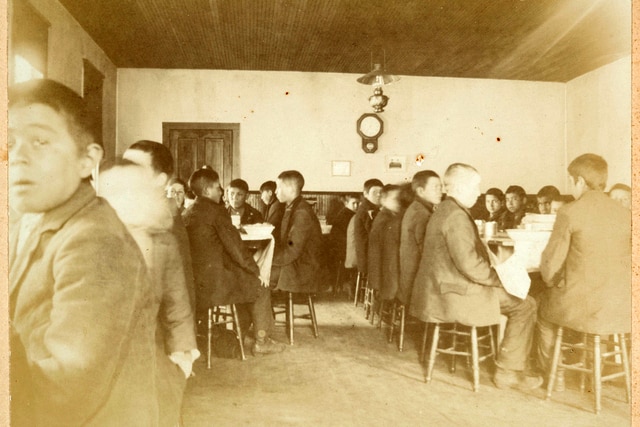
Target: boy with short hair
(384,243)
(427,189)
(81,320)
(297,261)
(516,201)
(545,197)
(338,233)
(559,201)
(272,209)
(621,193)
(237,192)
(363,219)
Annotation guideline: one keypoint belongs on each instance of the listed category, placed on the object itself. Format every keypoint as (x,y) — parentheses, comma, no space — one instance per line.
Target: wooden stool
(396,309)
(213,318)
(592,361)
(289,319)
(455,331)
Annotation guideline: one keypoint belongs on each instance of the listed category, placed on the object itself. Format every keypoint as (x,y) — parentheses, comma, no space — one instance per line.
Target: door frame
(235,138)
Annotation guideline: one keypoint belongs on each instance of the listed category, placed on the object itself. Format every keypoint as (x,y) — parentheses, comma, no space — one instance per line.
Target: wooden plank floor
(351,376)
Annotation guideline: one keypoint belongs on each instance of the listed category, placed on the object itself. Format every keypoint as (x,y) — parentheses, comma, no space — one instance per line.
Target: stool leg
(454,344)
(372,297)
(401,345)
(209,335)
(355,298)
(597,374)
(380,311)
(236,323)
(554,361)
(290,317)
(338,277)
(423,353)
(312,312)
(432,352)
(474,358)
(366,302)
(625,365)
(392,322)
(492,342)
(583,361)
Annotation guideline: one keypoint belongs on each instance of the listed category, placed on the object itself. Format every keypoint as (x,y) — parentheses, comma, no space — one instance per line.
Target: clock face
(370,126)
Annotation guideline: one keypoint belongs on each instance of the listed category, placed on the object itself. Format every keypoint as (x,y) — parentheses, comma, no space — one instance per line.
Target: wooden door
(194,145)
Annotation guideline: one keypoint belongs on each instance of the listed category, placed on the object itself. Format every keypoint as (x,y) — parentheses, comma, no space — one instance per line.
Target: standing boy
(82,325)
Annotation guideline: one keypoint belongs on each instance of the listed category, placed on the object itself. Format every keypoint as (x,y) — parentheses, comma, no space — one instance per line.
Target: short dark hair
(592,168)
(548,191)
(240,184)
(268,186)
(517,190)
(201,179)
(370,183)
(388,189)
(495,192)
(293,177)
(73,108)
(620,186)
(421,178)
(161,158)
(346,196)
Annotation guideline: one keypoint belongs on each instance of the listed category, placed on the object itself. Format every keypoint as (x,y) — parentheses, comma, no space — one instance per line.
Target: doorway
(194,145)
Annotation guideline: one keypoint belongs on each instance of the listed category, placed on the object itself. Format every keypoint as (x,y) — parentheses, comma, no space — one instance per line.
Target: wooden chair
(222,315)
(476,343)
(592,361)
(393,309)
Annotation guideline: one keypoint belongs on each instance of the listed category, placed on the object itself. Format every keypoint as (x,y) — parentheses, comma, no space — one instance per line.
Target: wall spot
(286,93)
(498,139)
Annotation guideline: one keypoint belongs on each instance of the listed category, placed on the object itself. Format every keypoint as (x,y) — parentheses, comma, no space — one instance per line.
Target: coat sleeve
(99,288)
(460,239)
(299,234)
(361,232)
(233,245)
(176,316)
(555,253)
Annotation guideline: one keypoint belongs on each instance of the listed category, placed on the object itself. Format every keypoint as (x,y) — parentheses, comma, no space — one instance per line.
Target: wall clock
(369,127)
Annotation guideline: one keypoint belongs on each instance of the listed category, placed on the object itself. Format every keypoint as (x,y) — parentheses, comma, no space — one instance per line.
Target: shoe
(267,346)
(248,341)
(505,379)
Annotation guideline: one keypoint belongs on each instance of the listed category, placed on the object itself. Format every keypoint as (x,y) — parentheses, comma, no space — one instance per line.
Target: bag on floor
(225,344)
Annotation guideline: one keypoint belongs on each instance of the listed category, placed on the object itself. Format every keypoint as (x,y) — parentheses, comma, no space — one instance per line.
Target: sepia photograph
(319,213)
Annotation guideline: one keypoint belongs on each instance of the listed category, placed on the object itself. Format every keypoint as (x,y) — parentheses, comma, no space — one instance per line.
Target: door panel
(196,144)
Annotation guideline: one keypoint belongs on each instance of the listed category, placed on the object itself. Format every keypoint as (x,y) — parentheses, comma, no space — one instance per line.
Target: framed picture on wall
(396,163)
(340,168)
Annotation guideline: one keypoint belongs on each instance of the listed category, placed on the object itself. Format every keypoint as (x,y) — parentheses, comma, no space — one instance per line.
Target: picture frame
(396,163)
(340,168)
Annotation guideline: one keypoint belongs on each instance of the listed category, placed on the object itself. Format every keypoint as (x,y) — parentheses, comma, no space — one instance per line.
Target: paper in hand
(512,274)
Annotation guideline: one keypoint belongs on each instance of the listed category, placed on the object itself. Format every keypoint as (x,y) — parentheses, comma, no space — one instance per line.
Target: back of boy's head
(268,186)
(495,192)
(240,184)
(161,158)
(592,168)
(548,191)
(292,177)
(388,189)
(370,183)
(201,179)
(71,106)
(421,178)
(517,190)
(621,187)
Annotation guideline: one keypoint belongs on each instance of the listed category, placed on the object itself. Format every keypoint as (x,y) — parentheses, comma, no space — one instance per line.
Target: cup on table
(490,228)
(235,220)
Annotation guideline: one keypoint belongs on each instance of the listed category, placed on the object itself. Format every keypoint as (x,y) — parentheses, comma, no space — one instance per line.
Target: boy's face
(373,195)
(352,204)
(214,192)
(492,203)
(391,201)
(432,191)
(514,202)
(621,196)
(544,205)
(285,192)
(266,196)
(555,206)
(468,190)
(46,165)
(176,192)
(142,158)
(237,197)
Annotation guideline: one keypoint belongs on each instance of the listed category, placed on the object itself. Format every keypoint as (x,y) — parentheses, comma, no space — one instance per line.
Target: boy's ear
(90,159)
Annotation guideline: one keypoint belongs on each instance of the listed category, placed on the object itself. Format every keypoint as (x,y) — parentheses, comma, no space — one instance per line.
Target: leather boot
(265,345)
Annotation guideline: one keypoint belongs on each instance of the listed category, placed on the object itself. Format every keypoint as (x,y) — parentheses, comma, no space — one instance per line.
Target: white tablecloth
(264,256)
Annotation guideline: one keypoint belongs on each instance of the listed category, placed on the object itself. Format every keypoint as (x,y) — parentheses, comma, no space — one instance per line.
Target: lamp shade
(378,77)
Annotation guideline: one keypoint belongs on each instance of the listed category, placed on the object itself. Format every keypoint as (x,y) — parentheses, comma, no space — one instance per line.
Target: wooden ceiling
(540,40)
